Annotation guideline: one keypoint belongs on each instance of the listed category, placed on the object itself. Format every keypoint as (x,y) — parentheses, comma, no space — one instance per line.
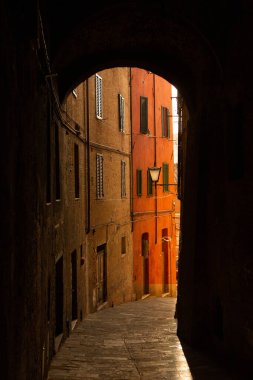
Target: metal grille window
(99,97)
(143,114)
(165,122)
(149,184)
(139,182)
(121,102)
(165,177)
(100,176)
(123,179)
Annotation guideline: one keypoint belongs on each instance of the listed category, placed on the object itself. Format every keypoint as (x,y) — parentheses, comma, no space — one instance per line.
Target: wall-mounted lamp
(155,173)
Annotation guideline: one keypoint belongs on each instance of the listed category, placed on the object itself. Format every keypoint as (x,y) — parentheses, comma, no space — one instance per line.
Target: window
(145,245)
(149,184)
(99,97)
(48,188)
(57,162)
(165,122)
(121,102)
(123,245)
(100,179)
(165,177)
(123,179)
(76,170)
(139,182)
(143,114)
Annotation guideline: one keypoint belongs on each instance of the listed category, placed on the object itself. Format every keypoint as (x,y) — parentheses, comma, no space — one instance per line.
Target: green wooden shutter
(165,122)
(165,177)
(149,184)
(168,123)
(143,114)
(139,182)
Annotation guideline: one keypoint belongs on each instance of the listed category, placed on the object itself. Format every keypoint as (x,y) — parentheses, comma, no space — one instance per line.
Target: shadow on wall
(203,366)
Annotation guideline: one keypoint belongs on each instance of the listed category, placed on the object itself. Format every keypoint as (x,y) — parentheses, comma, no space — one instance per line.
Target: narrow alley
(135,340)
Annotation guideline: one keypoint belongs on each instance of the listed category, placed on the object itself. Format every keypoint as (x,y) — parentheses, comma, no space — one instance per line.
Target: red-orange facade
(154,230)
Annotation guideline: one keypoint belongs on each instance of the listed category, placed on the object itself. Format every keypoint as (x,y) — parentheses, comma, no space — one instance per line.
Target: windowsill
(48,203)
(77,198)
(58,200)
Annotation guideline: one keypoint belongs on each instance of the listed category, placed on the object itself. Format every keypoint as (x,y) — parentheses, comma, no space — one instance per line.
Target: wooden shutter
(123,178)
(165,177)
(99,97)
(165,122)
(143,114)
(149,184)
(76,169)
(139,182)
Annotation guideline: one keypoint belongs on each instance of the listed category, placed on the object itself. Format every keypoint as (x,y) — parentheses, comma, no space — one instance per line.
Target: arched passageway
(205,54)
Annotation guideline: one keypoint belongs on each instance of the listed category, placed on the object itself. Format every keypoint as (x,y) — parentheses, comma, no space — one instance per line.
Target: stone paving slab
(135,340)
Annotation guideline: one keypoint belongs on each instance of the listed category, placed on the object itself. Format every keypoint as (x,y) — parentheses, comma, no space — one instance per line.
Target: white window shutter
(99,97)
(100,179)
(121,113)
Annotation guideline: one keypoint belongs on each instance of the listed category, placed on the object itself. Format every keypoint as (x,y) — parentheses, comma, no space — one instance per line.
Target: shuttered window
(121,102)
(123,179)
(143,114)
(139,182)
(165,177)
(99,97)
(100,176)
(165,122)
(149,184)
(76,170)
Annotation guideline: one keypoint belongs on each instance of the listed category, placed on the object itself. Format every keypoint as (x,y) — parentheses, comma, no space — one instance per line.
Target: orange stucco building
(154,235)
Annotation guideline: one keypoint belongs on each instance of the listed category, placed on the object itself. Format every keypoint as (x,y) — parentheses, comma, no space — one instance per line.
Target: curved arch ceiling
(150,36)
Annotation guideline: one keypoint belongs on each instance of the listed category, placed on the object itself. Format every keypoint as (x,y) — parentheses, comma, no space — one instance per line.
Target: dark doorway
(101,274)
(145,255)
(74,284)
(165,263)
(59,297)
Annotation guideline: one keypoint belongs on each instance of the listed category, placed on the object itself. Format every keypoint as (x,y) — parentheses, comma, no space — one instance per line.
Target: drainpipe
(131,152)
(87,227)
(154,93)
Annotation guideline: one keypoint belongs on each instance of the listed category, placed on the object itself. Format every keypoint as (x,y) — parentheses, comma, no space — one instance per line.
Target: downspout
(131,152)
(87,227)
(154,90)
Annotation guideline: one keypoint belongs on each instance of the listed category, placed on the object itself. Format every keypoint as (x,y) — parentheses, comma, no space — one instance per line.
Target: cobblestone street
(136,340)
